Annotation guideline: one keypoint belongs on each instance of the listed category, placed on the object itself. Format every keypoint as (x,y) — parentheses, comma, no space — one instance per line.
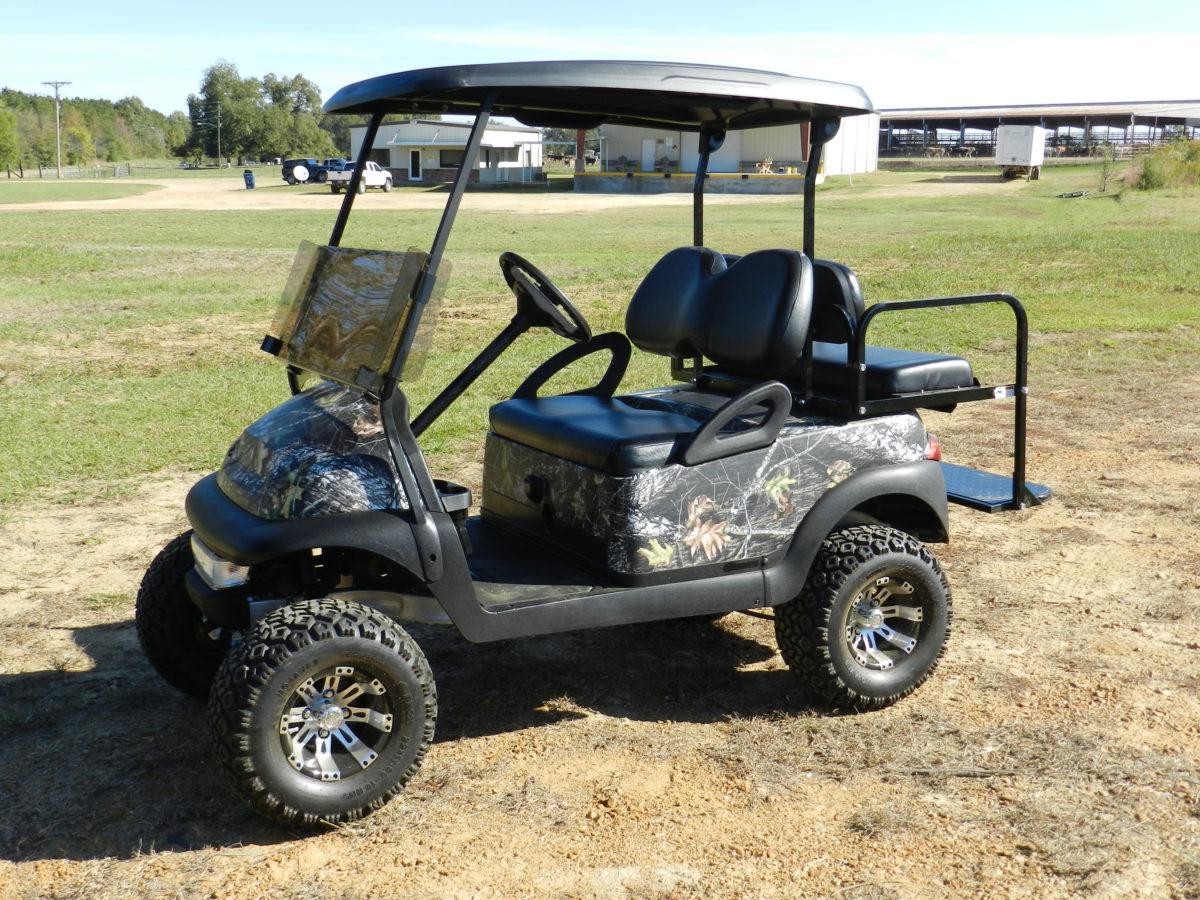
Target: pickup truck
(334,163)
(374,175)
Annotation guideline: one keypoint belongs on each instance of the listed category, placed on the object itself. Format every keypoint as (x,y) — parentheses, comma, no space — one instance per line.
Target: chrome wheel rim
(884,623)
(336,723)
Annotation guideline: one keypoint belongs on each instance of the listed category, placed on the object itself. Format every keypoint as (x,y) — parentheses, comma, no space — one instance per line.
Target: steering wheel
(540,301)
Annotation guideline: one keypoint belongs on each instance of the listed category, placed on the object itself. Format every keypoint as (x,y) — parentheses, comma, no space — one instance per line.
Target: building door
(414,165)
(648,146)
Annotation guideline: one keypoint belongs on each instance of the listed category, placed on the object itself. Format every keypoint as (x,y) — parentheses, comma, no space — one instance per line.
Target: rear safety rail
(976,489)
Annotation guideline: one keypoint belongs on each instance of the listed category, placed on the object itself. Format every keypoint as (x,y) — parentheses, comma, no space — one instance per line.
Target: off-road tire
(294,670)
(171,629)
(866,669)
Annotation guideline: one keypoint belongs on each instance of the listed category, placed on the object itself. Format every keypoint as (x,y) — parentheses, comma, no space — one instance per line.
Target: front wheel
(184,648)
(872,620)
(323,713)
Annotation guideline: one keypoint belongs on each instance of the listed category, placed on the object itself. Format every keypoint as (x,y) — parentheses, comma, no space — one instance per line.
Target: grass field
(127,339)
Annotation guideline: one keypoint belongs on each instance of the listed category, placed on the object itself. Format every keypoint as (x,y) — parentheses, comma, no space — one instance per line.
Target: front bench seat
(751,315)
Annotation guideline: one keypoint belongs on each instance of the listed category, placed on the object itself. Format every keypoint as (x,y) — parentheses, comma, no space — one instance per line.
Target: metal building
(756,160)
(1073,129)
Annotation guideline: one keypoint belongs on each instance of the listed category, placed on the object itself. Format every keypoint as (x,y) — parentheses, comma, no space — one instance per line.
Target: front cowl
(320,453)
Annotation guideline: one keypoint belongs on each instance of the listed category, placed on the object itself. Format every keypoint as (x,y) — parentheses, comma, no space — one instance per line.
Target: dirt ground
(1053,754)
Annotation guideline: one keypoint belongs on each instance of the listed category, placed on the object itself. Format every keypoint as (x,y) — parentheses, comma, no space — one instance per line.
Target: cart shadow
(684,671)
(966,179)
(112,762)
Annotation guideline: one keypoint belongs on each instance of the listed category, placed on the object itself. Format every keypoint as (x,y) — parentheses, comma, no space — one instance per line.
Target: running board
(988,492)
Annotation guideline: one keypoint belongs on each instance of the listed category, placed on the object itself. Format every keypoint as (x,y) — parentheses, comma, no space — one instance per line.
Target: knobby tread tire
(169,624)
(245,677)
(802,625)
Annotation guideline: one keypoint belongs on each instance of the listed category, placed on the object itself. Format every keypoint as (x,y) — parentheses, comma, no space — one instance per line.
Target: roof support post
(710,141)
(423,289)
(368,143)
(820,133)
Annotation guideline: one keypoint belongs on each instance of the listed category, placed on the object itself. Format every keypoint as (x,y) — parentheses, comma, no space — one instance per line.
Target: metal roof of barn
(583,94)
(1051,113)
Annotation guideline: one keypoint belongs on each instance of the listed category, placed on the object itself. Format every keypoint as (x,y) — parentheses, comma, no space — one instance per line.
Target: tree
(10,154)
(247,117)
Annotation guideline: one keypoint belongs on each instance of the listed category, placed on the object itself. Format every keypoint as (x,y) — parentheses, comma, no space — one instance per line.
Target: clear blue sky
(925,54)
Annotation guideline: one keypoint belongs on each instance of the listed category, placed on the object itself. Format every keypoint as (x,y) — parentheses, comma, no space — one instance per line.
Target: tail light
(933,446)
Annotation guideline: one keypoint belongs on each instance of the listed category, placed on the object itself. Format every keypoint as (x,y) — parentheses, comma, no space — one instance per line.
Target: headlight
(219,574)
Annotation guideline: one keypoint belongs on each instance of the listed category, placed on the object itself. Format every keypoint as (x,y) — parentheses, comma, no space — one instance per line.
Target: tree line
(231,119)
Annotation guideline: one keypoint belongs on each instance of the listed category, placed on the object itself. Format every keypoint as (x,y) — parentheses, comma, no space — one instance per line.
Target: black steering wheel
(539,301)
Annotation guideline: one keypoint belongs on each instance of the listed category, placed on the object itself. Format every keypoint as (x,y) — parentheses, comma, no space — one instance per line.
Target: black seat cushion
(607,433)
(890,371)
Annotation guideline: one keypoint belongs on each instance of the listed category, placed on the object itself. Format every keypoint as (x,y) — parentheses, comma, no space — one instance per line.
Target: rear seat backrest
(752,315)
(836,293)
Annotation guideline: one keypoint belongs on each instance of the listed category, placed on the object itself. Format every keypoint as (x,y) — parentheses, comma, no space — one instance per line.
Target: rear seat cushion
(890,371)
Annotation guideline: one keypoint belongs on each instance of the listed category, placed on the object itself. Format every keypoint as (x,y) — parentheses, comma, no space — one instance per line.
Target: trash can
(249,176)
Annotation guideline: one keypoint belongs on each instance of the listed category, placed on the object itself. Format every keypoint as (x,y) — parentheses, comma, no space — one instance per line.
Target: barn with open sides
(1072,129)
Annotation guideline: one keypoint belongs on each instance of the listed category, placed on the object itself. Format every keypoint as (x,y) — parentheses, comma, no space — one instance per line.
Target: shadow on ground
(114,763)
(966,179)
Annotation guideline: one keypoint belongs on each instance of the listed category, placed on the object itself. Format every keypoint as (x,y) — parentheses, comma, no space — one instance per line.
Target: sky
(931,54)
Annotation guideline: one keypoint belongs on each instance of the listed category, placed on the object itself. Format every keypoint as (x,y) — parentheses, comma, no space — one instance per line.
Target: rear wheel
(872,621)
(362,185)
(323,713)
(184,648)
(387,185)
(335,189)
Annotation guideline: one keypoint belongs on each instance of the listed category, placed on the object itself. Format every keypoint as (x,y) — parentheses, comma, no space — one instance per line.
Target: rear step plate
(987,491)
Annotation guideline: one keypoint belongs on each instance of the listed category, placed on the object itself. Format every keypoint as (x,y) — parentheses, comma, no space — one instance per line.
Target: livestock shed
(1072,129)
(756,160)
(431,150)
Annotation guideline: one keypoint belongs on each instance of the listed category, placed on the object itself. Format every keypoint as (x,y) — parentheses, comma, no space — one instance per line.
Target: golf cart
(783,465)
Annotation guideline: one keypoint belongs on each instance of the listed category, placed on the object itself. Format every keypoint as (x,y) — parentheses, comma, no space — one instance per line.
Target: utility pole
(57,127)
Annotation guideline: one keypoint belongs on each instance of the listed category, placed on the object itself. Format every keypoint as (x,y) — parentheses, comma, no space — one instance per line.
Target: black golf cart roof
(585,94)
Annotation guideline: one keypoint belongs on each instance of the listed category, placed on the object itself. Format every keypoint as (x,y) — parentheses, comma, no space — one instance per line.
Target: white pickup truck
(374,175)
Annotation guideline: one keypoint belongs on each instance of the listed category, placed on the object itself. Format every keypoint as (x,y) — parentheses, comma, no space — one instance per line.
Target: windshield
(343,313)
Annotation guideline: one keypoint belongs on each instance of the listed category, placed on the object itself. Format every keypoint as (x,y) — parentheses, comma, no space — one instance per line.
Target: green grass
(128,340)
(49,191)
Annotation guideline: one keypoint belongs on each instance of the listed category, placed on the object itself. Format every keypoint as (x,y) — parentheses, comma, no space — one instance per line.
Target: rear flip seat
(838,302)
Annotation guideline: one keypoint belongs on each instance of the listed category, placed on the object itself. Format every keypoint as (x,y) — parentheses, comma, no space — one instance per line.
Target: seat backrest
(665,312)
(836,295)
(752,315)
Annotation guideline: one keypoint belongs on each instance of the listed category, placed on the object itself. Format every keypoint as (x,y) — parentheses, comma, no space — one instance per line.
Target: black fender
(247,540)
(911,497)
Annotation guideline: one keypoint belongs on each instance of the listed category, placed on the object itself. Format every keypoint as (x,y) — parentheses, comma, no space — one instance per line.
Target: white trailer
(1020,150)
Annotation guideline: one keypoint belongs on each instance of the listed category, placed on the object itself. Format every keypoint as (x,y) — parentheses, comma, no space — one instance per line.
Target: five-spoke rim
(336,723)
